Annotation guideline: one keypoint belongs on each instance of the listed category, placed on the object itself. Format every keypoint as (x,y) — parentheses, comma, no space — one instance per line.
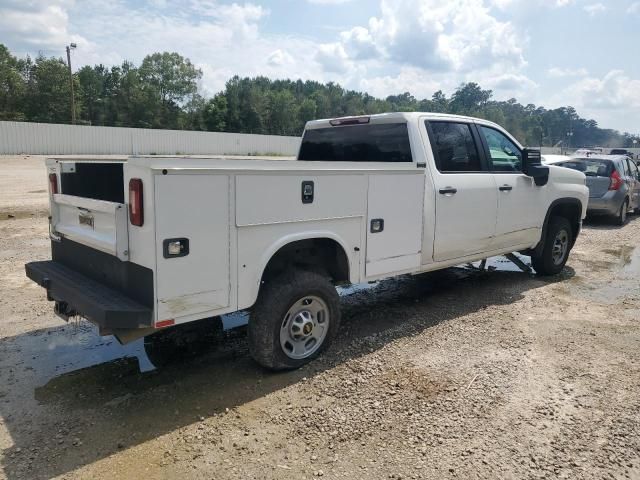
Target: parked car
(614,184)
(585,152)
(554,159)
(621,151)
(150,244)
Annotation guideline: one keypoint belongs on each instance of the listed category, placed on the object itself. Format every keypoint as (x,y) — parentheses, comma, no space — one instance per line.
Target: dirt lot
(458,374)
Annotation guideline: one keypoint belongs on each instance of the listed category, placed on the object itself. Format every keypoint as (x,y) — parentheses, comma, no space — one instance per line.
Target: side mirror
(532,166)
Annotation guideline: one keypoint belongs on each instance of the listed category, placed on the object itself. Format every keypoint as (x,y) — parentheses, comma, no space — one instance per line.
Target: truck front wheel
(557,245)
(295,318)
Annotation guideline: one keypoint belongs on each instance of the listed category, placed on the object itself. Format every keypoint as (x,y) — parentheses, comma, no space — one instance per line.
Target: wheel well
(322,255)
(572,211)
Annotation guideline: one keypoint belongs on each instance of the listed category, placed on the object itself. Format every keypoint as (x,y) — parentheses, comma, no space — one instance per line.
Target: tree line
(162,92)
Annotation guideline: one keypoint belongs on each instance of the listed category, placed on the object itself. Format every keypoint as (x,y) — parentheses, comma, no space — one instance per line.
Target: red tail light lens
(53,183)
(616,181)
(136,207)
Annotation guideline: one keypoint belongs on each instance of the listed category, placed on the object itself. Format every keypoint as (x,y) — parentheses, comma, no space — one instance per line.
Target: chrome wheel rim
(560,247)
(623,212)
(304,327)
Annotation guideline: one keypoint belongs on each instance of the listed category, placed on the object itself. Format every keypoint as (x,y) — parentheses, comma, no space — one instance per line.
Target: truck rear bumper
(77,294)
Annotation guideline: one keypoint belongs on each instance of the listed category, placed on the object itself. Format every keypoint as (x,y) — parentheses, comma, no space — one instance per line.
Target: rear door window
(454,148)
(388,142)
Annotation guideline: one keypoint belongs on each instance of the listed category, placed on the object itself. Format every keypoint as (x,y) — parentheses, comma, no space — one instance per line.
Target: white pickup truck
(144,245)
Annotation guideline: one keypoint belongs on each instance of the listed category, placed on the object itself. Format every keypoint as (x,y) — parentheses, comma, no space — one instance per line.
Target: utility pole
(73,100)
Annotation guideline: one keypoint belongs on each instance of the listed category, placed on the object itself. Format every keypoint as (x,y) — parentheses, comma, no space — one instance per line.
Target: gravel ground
(456,374)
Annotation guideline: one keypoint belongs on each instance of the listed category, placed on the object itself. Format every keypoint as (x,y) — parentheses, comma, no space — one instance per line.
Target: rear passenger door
(466,195)
(520,200)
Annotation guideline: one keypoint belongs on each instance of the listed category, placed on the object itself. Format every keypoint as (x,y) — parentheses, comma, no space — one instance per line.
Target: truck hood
(566,175)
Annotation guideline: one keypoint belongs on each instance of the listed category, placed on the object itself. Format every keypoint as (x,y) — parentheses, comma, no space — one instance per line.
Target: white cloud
(594,9)
(438,35)
(513,83)
(614,91)
(36,24)
(333,58)
(558,72)
(408,79)
(359,44)
(279,58)
(613,100)
(328,2)
(505,4)
(634,8)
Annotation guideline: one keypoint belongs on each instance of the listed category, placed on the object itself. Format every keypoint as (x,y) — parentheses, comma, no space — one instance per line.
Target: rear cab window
(382,142)
(591,167)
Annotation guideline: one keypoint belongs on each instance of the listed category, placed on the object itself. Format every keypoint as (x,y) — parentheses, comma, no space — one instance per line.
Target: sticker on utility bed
(86,219)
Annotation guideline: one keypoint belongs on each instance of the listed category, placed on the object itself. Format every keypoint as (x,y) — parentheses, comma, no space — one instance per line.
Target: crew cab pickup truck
(146,245)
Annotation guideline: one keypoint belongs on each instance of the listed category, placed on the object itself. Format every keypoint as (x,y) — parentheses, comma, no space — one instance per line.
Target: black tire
(184,341)
(546,263)
(276,299)
(622,216)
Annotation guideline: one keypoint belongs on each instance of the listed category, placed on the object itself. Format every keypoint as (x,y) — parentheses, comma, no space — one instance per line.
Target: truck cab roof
(395,117)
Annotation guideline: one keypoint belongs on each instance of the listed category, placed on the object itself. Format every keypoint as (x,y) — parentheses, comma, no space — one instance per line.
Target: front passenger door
(519,199)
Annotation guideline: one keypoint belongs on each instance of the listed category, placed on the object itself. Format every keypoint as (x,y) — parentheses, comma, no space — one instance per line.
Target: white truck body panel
(106,227)
(237,214)
(398,199)
(199,282)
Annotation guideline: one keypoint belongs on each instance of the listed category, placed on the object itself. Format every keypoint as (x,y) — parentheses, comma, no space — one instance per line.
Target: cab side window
(454,147)
(504,155)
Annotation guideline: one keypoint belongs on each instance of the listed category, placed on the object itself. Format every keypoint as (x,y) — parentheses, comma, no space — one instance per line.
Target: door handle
(506,188)
(448,191)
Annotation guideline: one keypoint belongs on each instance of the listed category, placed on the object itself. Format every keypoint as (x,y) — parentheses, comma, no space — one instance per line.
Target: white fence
(52,139)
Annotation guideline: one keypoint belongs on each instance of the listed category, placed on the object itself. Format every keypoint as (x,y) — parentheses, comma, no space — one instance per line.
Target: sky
(553,53)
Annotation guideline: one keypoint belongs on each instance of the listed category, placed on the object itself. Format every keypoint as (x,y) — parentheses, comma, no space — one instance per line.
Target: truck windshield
(388,142)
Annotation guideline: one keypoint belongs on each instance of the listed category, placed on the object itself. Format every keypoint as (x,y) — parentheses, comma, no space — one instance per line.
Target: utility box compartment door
(193,208)
(394,223)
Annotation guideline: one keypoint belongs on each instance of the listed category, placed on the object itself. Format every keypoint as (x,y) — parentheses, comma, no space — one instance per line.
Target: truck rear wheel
(295,318)
(557,245)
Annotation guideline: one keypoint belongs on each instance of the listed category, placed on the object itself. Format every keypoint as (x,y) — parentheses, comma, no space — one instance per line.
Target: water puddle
(50,353)
(502,264)
(611,289)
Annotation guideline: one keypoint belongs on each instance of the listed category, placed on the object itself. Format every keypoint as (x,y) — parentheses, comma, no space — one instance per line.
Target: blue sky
(548,52)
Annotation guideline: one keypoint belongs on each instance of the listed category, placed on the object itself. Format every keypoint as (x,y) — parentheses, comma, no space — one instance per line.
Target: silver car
(614,184)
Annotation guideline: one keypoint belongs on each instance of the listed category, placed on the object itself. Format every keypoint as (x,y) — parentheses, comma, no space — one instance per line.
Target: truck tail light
(616,181)
(53,183)
(136,207)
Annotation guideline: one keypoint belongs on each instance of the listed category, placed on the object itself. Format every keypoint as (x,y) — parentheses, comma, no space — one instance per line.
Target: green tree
(215,113)
(171,80)
(92,93)
(13,85)
(48,91)
(163,93)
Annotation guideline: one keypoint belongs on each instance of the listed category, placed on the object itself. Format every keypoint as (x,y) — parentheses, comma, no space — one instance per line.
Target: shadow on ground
(70,398)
